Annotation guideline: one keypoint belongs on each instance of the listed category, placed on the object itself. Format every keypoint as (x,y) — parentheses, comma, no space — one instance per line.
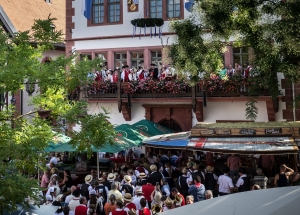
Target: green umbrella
(132,133)
(151,127)
(119,144)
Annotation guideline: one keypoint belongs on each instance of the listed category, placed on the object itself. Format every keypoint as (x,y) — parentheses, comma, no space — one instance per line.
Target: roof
(22,14)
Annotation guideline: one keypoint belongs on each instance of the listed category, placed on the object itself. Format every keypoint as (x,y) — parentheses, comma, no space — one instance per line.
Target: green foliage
(148,22)
(96,131)
(191,52)
(23,138)
(251,110)
(270,28)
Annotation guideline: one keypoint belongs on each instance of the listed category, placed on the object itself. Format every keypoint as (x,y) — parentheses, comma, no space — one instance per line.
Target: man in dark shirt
(153,72)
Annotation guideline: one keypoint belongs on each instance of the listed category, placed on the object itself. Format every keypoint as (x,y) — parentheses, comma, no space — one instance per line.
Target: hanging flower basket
(147,22)
(155,25)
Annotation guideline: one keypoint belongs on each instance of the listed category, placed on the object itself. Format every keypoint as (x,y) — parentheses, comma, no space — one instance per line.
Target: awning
(176,140)
(245,145)
(240,145)
(153,128)
(132,133)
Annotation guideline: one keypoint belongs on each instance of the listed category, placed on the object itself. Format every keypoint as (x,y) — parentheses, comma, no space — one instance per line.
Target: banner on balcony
(86,8)
(189,5)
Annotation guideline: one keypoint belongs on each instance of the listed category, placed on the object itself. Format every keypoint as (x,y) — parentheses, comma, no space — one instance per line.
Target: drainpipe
(294,108)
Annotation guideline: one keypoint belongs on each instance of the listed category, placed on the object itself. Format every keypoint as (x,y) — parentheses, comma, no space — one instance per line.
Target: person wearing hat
(109,180)
(125,73)
(139,169)
(133,177)
(140,73)
(127,187)
(155,176)
(128,202)
(183,182)
(195,173)
(51,194)
(136,199)
(142,178)
(153,71)
(210,179)
(101,189)
(168,204)
(86,187)
(243,183)
(143,210)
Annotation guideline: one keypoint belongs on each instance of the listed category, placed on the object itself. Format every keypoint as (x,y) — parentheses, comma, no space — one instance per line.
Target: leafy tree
(269,27)
(22,138)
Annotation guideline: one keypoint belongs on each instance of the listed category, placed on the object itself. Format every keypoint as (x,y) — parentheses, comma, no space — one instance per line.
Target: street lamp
(13,100)
(30,87)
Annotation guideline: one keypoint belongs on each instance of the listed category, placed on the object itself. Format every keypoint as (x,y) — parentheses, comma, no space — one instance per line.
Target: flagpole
(98,164)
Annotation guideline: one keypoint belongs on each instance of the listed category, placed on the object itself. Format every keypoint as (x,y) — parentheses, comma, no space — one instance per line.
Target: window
(87,56)
(173,8)
(106,12)
(103,57)
(120,60)
(98,11)
(156,57)
(137,59)
(165,9)
(156,8)
(114,10)
(241,56)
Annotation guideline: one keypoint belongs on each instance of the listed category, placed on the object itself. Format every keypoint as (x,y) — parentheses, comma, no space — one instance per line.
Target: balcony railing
(177,88)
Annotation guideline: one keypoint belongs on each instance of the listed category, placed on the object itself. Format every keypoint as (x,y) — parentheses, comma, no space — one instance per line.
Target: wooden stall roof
(247,129)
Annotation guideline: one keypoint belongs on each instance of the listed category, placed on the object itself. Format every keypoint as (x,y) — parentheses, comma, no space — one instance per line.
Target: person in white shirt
(137,199)
(75,201)
(225,183)
(71,196)
(53,160)
(243,183)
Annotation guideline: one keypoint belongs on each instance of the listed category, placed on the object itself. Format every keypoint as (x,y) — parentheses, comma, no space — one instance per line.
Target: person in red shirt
(147,189)
(119,210)
(115,77)
(174,192)
(128,202)
(82,208)
(144,210)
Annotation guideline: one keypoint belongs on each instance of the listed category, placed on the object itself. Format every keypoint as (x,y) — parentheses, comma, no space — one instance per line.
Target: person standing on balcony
(223,72)
(153,72)
(230,71)
(140,73)
(125,73)
(133,75)
(114,77)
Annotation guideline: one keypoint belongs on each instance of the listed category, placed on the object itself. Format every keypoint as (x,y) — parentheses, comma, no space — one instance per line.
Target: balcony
(177,88)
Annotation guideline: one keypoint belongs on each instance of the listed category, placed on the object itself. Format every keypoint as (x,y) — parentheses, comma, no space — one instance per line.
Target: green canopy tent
(151,127)
(134,134)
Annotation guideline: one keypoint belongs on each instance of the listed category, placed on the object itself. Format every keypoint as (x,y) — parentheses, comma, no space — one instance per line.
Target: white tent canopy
(258,202)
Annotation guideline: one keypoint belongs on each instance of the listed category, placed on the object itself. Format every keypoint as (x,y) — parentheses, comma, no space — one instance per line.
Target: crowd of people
(237,71)
(156,183)
(135,74)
